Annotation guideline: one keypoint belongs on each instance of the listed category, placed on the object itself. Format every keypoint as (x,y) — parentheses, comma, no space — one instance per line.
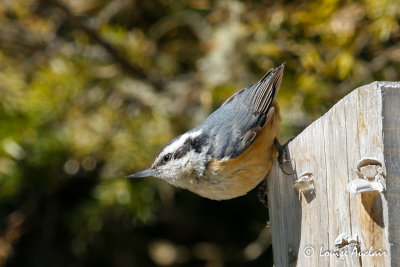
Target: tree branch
(128,67)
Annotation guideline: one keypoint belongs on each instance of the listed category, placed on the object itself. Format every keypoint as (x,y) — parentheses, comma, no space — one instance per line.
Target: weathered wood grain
(364,124)
(391,141)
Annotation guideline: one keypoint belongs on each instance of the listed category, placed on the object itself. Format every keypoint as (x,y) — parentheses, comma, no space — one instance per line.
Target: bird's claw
(284,157)
(262,193)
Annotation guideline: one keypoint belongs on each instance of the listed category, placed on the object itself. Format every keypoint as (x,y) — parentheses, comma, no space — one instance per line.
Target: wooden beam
(339,204)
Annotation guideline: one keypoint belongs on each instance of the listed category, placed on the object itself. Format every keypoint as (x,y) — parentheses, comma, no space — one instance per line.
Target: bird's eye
(167,157)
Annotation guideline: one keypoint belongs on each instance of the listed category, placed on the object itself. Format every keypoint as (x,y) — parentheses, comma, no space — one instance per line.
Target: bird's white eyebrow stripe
(178,143)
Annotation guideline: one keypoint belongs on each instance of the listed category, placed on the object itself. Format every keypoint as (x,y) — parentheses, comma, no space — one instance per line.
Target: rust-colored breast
(229,178)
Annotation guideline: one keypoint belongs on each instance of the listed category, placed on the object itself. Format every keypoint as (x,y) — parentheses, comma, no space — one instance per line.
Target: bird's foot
(284,159)
(262,193)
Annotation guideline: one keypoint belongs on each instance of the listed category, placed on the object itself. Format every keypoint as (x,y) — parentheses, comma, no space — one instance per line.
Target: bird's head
(180,162)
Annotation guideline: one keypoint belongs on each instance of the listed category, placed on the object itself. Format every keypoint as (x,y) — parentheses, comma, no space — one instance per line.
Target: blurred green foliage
(90,90)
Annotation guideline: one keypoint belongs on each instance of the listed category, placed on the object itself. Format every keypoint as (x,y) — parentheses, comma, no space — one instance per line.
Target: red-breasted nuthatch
(231,151)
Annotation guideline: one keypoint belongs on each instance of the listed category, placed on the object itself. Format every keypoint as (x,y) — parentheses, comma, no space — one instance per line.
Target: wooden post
(337,203)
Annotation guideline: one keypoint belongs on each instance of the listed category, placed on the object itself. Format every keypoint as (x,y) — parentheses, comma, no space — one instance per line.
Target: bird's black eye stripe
(167,157)
(198,143)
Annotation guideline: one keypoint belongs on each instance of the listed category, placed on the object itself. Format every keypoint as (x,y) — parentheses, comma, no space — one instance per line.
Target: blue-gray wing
(237,123)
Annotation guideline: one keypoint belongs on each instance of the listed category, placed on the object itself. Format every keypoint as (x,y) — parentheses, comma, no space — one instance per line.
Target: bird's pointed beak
(145,173)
